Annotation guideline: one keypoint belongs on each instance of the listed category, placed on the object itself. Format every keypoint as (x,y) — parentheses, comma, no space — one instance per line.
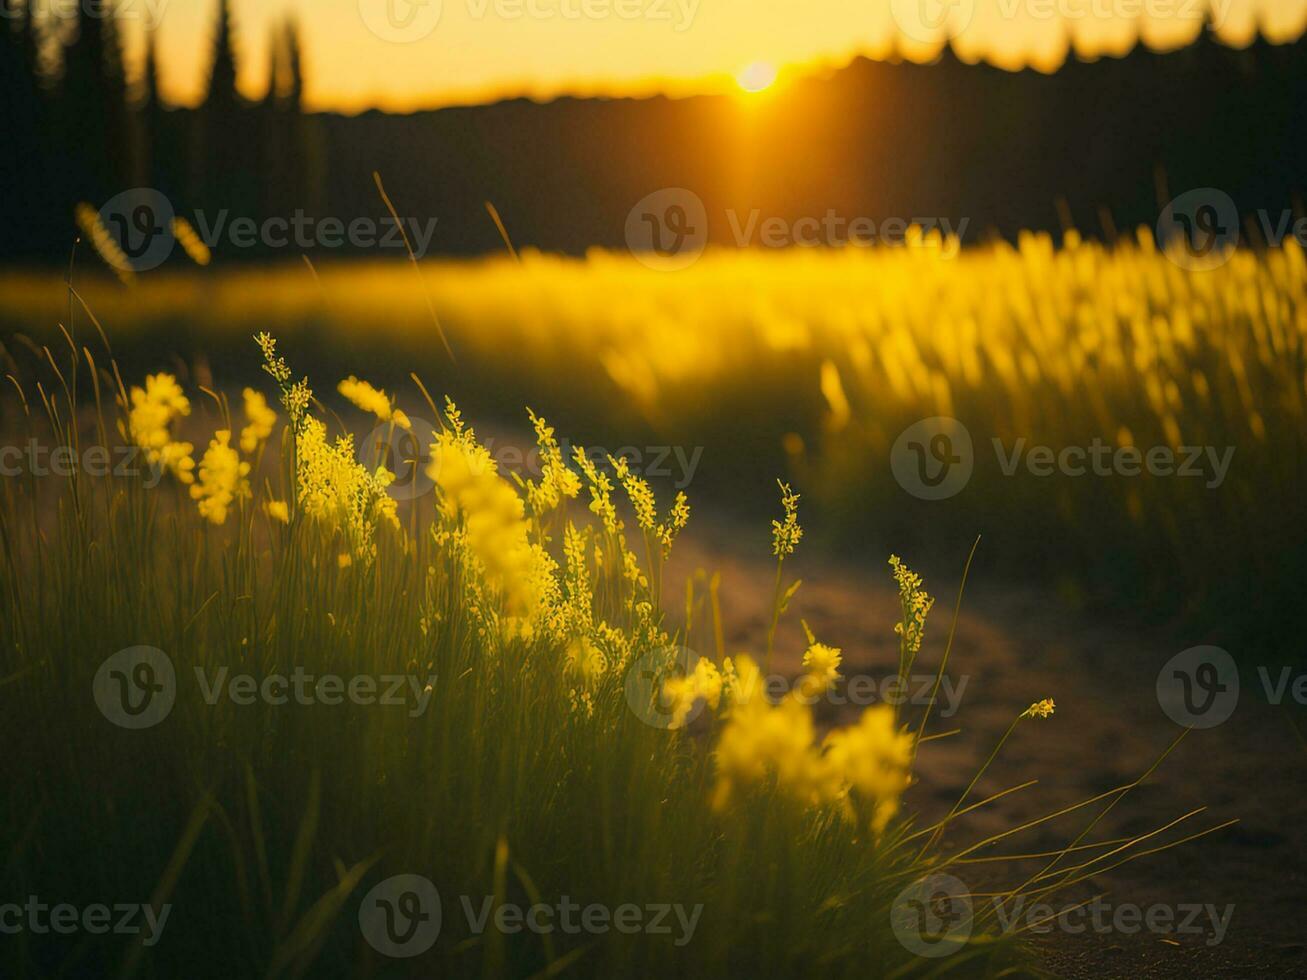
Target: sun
(756,77)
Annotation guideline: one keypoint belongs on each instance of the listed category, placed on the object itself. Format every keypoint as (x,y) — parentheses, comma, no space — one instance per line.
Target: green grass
(264,825)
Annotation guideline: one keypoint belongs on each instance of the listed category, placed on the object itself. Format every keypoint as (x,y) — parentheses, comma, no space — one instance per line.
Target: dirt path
(1013,648)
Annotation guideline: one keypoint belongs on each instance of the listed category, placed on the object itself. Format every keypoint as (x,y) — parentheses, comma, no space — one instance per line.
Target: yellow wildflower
(585,659)
(601,491)
(296,396)
(372,400)
(786,534)
(646,511)
(493,517)
(150,416)
(261,419)
(337,490)
(873,758)
(915,604)
(822,666)
(557,482)
(764,745)
(681,693)
(222,479)
(277,510)
(1040,709)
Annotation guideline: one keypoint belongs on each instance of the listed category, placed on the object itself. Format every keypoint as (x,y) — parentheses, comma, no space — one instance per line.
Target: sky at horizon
(403,55)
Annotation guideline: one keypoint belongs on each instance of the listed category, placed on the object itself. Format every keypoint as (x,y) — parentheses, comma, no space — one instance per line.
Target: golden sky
(409,54)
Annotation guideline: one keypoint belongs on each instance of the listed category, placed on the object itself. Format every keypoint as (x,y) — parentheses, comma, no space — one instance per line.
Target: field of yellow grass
(554,740)
(812,363)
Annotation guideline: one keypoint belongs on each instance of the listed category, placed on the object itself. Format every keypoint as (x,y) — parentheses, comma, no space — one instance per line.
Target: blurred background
(773,236)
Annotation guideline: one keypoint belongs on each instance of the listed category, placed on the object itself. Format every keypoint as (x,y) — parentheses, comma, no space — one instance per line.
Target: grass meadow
(810,365)
(321,685)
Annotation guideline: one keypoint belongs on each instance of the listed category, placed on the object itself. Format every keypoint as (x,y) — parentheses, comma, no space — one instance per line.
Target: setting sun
(757,76)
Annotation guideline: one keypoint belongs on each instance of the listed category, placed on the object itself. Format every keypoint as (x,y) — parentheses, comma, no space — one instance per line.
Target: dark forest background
(1101,145)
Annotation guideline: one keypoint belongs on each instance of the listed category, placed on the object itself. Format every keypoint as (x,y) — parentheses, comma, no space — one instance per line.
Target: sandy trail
(1014,647)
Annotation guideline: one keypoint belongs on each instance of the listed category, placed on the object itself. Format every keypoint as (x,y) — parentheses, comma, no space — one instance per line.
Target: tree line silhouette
(78,128)
(1100,145)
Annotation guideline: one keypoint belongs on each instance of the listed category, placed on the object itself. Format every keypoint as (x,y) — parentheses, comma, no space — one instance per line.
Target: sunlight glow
(757,76)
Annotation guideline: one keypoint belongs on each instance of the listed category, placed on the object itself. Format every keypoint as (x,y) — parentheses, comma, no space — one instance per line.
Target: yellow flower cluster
(861,770)
(786,534)
(492,517)
(874,760)
(915,604)
(679,694)
(646,509)
(295,396)
(340,492)
(601,491)
(372,400)
(584,659)
(821,664)
(150,417)
(222,479)
(1040,709)
(261,419)
(591,613)
(557,482)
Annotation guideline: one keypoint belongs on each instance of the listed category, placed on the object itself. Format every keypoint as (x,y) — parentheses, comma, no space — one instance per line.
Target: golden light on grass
(529,619)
